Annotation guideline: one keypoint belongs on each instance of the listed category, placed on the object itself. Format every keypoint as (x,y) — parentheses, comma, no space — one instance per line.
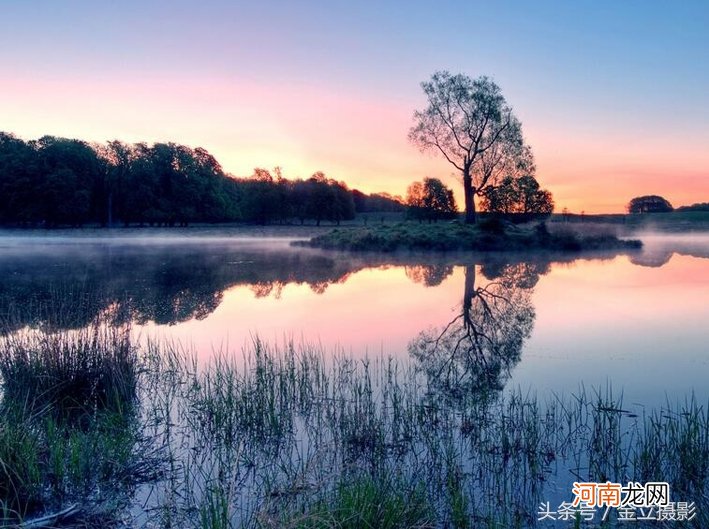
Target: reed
(293,436)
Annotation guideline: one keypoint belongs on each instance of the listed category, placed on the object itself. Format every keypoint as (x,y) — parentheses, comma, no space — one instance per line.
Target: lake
(426,370)
(635,322)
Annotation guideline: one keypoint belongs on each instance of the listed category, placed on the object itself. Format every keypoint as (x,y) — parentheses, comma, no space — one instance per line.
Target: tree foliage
(518,195)
(63,182)
(469,123)
(649,204)
(377,202)
(430,200)
(699,206)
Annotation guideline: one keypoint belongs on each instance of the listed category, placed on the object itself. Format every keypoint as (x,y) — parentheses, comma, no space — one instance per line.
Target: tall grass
(71,373)
(292,437)
(278,434)
(69,433)
(361,502)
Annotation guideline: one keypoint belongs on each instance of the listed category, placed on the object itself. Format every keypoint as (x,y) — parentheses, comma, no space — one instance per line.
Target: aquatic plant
(293,436)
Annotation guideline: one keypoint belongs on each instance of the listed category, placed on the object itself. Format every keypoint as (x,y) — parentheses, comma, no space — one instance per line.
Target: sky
(613,96)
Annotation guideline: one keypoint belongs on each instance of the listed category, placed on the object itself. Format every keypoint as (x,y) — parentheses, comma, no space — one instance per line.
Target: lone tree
(430,200)
(471,125)
(649,204)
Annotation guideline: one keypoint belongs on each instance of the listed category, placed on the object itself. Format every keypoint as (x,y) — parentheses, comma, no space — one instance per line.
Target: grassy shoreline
(672,222)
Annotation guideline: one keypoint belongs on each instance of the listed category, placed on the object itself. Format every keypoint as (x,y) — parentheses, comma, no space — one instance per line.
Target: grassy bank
(297,438)
(670,222)
(486,236)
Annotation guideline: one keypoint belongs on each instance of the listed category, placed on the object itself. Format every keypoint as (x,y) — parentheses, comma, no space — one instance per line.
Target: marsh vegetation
(295,437)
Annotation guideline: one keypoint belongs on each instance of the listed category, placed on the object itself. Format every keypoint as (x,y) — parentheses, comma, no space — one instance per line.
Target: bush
(68,426)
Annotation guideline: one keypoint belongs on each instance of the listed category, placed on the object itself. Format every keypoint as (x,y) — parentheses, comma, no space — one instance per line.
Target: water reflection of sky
(638,323)
(375,310)
(641,329)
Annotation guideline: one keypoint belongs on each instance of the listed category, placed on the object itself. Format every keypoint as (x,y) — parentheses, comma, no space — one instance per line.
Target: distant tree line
(658,204)
(66,182)
(700,206)
(377,202)
(266,198)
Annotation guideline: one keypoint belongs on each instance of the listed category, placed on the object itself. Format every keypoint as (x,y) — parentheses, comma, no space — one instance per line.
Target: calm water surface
(635,322)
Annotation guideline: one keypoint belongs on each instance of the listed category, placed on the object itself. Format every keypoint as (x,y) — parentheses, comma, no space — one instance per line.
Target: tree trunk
(468,296)
(469,194)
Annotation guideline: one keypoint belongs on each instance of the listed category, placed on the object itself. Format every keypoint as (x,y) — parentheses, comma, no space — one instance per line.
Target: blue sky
(590,81)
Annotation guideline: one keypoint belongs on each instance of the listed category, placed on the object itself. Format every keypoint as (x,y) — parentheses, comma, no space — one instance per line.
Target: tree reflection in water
(429,275)
(71,289)
(476,350)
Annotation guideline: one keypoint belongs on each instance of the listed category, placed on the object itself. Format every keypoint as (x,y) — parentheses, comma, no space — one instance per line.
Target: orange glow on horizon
(359,138)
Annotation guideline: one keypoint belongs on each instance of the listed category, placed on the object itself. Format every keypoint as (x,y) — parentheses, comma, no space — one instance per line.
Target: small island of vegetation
(470,124)
(487,235)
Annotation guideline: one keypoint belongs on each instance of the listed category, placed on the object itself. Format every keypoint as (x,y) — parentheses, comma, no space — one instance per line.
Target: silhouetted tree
(328,200)
(320,198)
(471,125)
(20,181)
(649,204)
(68,172)
(343,206)
(518,195)
(118,157)
(430,200)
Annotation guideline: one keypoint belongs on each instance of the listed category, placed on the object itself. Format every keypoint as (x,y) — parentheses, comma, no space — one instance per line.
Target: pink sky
(613,96)
(359,136)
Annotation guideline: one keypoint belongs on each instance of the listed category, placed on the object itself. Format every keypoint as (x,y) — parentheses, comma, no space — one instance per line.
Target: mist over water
(35,240)
(635,322)
(534,370)
(691,244)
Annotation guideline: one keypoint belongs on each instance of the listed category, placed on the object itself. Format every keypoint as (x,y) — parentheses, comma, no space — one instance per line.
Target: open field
(676,221)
